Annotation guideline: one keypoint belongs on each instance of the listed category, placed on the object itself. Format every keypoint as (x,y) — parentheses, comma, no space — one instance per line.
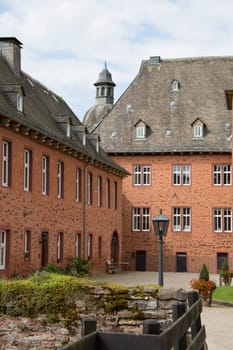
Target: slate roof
(46,113)
(170,115)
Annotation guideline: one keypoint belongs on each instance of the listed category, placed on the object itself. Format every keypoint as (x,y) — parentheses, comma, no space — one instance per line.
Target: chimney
(155,59)
(10,49)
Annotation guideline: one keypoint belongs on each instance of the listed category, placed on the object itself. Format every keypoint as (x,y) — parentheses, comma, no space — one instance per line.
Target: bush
(204,273)
(225,274)
(43,293)
(225,265)
(81,266)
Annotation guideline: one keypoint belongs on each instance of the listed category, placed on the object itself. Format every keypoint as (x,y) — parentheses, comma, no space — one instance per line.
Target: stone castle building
(63,193)
(172,130)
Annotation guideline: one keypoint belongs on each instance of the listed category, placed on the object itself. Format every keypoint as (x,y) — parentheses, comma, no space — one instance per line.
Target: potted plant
(225,275)
(204,285)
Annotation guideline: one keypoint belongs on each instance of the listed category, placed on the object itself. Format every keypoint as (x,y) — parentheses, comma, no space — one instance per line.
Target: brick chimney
(10,49)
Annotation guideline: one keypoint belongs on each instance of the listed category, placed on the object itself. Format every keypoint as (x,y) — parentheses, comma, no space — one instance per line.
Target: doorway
(181,262)
(115,248)
(140,260)
(44,248)
(220,258)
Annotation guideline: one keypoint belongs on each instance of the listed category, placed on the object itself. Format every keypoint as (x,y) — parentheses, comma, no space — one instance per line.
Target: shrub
(204,273)
(225,265)
(81,266)
(225,274)
(43,293)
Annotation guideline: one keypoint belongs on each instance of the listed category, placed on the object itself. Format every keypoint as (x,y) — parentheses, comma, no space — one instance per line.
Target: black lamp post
(160,224)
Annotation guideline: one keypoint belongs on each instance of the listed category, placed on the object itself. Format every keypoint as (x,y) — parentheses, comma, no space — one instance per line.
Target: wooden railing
(185,333)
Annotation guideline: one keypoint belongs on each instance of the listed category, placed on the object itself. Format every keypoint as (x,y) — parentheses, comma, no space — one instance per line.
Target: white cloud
(67,41)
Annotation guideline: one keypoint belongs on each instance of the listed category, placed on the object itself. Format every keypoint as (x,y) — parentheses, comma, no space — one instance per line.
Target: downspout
(84,214)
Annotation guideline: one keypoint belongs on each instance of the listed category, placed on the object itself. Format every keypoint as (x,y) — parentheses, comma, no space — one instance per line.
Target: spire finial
(105,65)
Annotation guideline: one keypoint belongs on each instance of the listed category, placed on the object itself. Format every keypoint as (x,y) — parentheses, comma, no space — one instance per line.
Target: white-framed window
(27,243)
(6,163)
(78,185)
(145,219)
(181,219)
(115,195)
(141,219)
(198,131)
(27,170)
(90,246)
(181,175)
(222,218)
(140,132)
(186,219)
(60,179)
(3,249)
(45,174)
(19,102)
(68,128)
(142,175)
(78,245)
(222,174)
(108,194)
(99,191)
(89,188)
(59,246)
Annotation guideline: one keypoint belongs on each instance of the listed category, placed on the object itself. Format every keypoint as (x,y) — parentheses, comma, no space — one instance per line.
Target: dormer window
(84,138)
(198,129)
(140,130)
(68,128)
(19,102)
(175,86)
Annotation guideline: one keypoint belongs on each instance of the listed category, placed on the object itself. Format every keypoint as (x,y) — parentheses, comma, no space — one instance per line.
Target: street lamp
(160,223)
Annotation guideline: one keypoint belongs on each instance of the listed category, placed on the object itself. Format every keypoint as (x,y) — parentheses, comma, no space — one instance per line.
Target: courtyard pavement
(218,319)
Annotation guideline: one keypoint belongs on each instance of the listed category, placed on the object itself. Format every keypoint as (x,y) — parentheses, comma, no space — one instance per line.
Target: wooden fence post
(178,310)
(151,327)
(196,326)
(88,326)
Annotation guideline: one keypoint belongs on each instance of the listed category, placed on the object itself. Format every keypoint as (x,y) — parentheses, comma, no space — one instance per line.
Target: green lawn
(224,293)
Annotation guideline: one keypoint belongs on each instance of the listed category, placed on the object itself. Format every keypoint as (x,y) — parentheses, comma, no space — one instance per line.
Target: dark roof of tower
(105,77)
(169,115)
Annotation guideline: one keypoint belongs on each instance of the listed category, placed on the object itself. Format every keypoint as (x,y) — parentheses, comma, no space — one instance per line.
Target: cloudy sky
(66,42)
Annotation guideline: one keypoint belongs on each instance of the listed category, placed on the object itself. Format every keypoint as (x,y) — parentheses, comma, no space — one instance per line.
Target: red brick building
(60,194)
(171,129)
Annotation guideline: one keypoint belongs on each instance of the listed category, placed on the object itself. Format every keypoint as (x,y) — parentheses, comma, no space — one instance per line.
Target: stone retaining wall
(115,309)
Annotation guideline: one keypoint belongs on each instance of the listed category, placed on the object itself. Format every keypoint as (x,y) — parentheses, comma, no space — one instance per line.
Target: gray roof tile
(169,115)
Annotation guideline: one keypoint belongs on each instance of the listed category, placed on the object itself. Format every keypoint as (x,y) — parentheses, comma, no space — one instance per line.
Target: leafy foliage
(43,293)
(204,273)
(81,266)
(225,265)
(203,286)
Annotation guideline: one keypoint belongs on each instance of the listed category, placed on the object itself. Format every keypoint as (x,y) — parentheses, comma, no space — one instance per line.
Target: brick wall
(20,210)
(201,244)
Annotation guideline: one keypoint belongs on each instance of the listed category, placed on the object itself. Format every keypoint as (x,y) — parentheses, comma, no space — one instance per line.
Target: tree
(204,274)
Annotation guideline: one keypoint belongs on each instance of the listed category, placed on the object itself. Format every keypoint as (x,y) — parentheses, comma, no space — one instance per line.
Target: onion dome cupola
(104,87)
